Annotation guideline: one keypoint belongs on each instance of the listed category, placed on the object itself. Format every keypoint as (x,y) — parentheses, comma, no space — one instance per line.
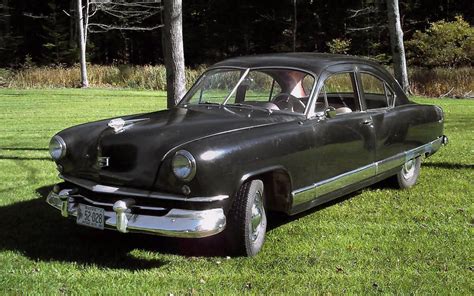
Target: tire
(248,220)
(408,174)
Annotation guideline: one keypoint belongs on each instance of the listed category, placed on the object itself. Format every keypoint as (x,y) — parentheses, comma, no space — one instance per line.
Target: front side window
(339,92)
(376,93)
(274,89)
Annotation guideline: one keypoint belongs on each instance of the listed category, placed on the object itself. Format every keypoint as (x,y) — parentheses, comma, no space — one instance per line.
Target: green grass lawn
(378,240)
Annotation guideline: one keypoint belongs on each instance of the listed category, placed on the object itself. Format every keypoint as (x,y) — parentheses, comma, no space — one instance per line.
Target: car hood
(134,154)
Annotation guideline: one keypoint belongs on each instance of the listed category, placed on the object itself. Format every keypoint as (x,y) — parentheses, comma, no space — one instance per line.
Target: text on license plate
(90,216)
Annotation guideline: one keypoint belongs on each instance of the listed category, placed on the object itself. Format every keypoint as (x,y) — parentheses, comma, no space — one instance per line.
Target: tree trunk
(173,51)
(82,44)
(295,25)
(396,41)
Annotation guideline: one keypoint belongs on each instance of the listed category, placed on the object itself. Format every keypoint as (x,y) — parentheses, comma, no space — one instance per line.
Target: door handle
(367,121)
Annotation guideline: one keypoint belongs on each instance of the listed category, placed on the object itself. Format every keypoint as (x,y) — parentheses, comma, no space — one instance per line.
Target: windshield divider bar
(236,86)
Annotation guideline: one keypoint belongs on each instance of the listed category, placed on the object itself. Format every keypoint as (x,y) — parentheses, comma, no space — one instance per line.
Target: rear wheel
(248,219)
(408,175)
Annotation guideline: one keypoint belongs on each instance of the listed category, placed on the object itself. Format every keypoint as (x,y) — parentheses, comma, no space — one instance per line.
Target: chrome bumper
(176,223)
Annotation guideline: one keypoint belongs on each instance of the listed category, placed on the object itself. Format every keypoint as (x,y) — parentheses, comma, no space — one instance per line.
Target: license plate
(90,216)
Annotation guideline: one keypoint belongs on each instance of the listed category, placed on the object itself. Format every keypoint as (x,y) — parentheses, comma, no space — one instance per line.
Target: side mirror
(330,112)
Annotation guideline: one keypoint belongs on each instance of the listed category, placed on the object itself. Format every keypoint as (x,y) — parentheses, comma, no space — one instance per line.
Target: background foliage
(433,82)
(443,44)
(213,30)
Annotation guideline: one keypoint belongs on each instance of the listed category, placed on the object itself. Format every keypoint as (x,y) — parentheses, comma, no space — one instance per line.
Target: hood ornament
(119,124)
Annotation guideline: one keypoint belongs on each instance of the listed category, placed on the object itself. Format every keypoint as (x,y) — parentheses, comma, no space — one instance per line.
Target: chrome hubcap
(257,217)
(408,169)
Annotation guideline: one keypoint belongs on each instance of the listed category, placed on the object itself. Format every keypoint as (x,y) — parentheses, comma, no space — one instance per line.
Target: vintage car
(279,132)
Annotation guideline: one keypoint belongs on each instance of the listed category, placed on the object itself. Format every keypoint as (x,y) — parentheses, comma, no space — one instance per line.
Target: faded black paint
(231,144)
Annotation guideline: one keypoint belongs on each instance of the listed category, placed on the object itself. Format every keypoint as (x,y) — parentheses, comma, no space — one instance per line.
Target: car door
(343,149)
(390,124)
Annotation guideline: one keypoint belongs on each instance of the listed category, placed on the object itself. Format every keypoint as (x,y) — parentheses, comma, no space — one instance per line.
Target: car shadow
(38,231)
(447,165)
(277,219)
(23,149)
(2,157)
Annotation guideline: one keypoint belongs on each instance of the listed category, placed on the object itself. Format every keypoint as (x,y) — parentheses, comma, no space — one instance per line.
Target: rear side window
(376,93)
(339,92)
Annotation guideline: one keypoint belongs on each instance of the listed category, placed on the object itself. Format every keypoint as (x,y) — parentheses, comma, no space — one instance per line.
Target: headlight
(57,148)
(184,165)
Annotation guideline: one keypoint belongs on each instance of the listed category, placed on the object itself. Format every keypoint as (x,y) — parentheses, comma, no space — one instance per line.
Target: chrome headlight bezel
(57,148)
(183,165)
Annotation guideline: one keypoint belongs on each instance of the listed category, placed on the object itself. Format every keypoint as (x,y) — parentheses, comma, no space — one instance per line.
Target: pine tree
(56,37)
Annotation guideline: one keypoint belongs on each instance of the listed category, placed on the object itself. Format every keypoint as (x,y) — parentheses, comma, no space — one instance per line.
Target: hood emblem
(103,162)
(119,124)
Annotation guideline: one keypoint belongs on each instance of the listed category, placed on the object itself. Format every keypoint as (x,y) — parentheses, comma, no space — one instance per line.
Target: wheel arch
(277,184)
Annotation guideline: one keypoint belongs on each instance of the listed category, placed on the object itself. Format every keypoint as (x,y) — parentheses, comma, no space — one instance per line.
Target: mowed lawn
(378,240)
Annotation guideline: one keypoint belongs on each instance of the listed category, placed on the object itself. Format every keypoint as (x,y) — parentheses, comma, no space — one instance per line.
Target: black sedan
(281,132)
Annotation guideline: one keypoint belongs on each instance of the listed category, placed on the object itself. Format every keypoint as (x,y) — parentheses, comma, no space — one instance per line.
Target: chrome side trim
(131,192)
(390,163)
(316,190)
(176,223)
(308,193)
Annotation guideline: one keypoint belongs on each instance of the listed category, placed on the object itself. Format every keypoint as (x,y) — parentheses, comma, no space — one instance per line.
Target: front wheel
(409,173)
(248,219)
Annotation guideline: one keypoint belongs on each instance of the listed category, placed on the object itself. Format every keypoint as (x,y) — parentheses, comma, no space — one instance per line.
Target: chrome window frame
(386,86)
(324,78)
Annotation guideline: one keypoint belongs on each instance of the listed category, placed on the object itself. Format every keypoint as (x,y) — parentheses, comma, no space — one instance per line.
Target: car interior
(276,89)
(338,93)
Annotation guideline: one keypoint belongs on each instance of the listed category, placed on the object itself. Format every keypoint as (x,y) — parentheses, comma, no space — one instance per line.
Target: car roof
(307,61)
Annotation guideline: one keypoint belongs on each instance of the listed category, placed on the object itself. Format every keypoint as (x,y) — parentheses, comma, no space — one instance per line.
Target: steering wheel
(288,102)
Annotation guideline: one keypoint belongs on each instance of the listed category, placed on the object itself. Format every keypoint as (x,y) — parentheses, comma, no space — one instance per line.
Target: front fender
(225,162)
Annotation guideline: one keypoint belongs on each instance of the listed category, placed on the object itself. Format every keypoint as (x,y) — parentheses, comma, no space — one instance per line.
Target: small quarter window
(376,92)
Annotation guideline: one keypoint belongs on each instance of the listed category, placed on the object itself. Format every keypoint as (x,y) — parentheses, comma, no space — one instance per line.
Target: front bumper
(120,216)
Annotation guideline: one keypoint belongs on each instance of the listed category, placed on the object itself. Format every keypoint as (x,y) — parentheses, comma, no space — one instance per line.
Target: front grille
(106,201)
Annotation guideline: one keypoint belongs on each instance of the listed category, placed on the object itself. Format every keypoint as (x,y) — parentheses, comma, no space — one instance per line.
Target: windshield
(274,89)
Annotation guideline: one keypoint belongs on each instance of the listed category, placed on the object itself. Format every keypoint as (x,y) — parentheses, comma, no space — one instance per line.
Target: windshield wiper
(250,106)
(209,103)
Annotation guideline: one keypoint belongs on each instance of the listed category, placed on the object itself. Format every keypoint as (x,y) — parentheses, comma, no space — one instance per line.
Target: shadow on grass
(23,158)
(39,232)
(276,220)
(23,149)
(447,165)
